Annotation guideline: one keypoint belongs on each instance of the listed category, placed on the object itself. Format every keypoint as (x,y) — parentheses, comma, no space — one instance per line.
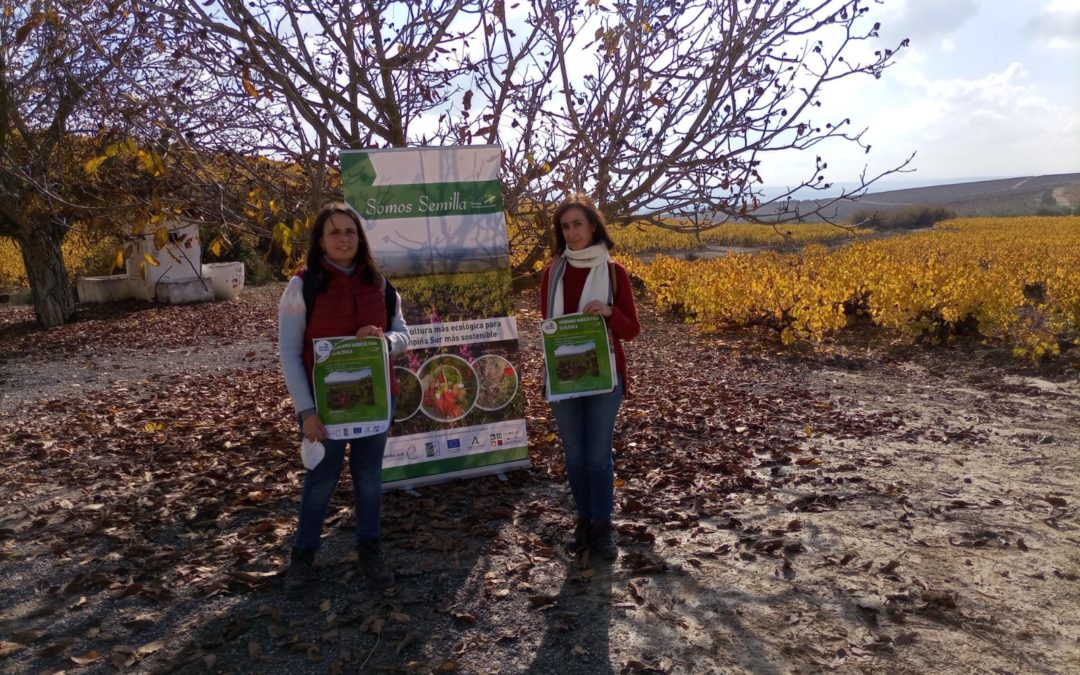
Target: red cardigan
(623,322)
(347,304)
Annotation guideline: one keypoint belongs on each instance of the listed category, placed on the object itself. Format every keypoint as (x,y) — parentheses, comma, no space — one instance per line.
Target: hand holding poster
(577,356)
(351,380)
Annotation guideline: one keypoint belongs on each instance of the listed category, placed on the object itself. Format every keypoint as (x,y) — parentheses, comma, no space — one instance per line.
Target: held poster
(577,356)
(434,219)
(351,380)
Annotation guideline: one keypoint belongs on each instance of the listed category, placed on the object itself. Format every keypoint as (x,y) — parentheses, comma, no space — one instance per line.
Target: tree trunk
(54,303)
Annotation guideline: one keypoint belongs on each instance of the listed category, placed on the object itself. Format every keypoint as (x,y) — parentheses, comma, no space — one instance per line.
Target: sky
(987,89)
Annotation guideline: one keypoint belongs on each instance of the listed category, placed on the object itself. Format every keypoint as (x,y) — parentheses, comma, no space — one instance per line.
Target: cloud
(1057,25)
(923,21)
(1063,6)
(999,124)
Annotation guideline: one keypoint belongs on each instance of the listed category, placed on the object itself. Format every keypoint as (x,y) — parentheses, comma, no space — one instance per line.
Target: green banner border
(438,466)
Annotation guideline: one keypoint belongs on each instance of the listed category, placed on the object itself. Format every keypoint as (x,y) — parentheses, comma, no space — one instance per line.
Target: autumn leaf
(161,237)
(35,20)
(86,659)
(150,648)
(27,636)
(10,648)
(94,164)
(248,86)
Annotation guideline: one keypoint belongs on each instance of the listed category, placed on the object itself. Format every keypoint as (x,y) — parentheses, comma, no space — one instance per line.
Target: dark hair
(581,201)
(365,263)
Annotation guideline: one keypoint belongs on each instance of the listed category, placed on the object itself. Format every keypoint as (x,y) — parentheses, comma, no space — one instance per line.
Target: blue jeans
(587,425)
(365,465)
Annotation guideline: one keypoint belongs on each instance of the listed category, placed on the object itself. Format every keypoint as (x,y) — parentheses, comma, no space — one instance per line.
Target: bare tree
(684,102)
(319,76)
(664,111)
(60,64)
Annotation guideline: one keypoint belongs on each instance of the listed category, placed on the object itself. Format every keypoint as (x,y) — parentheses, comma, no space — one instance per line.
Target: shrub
(244,248)
(906,218)
(12,272)
(84,256)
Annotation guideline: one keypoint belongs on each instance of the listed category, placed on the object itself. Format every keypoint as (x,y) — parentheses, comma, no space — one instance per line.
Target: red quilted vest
(347,304)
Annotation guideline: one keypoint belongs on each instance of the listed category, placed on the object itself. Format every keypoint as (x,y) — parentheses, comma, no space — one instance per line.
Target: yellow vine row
(1014,280)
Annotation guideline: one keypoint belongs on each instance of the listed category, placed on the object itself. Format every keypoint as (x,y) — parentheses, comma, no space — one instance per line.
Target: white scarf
(597,284)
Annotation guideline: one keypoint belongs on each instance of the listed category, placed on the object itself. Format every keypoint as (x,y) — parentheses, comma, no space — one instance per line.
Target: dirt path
(857,509)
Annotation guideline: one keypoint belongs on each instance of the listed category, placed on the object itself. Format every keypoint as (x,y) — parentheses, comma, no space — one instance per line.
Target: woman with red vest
(347,296)
(583,278)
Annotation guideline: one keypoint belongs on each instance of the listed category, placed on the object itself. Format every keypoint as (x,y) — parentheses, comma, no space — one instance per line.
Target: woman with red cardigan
(583,278)
(349,297)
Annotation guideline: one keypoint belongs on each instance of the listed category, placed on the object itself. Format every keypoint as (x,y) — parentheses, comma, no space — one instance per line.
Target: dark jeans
(365,465)
(587,425)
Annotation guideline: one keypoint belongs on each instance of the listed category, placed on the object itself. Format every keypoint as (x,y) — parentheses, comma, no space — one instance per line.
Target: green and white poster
(434,220)
(577,356)
(351,380)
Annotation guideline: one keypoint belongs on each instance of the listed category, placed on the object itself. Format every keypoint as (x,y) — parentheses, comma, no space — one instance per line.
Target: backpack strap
(390,298)
(309,293)
(611,278)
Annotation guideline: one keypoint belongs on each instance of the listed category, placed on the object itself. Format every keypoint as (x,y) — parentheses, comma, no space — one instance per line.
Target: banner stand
(435,222)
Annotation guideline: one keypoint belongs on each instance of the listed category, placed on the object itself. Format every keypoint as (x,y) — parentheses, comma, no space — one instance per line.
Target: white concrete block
(180,292)
(105,289)
(226,278)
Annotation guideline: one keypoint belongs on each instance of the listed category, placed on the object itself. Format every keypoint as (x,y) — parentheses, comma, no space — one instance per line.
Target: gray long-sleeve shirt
(292,322)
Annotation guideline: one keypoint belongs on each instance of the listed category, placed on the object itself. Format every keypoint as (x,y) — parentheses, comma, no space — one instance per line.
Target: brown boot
(580,542)
(301,572)
(372,564)
(602,540)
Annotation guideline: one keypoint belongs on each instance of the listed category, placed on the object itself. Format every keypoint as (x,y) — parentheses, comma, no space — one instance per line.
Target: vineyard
(454,297)
(1013,281)
(643,237)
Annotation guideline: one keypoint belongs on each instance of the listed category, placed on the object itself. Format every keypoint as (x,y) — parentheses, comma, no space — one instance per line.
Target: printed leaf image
(498,382)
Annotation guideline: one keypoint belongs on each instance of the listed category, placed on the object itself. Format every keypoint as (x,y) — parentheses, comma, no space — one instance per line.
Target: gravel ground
(903,510)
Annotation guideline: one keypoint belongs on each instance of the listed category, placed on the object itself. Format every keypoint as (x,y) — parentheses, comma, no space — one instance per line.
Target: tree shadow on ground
(578,622)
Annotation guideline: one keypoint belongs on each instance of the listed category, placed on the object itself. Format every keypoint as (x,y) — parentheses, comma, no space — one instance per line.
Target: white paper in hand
(311,453)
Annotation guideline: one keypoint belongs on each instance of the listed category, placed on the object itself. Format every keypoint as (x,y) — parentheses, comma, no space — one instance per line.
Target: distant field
(647,238)
(1014,281)
(1003,197)
(641,238)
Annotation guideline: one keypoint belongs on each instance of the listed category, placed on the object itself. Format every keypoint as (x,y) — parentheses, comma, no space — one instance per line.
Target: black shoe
(602,540)
(372,565)
(301,571)
(580,542)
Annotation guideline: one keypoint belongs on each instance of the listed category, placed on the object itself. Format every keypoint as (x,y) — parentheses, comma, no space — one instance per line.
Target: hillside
(1001,197)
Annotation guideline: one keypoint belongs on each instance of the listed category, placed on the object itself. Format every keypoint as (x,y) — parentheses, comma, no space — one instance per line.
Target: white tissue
(311,453)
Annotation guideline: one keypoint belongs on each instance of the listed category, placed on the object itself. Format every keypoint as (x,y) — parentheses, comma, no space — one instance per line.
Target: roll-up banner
(434,220)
